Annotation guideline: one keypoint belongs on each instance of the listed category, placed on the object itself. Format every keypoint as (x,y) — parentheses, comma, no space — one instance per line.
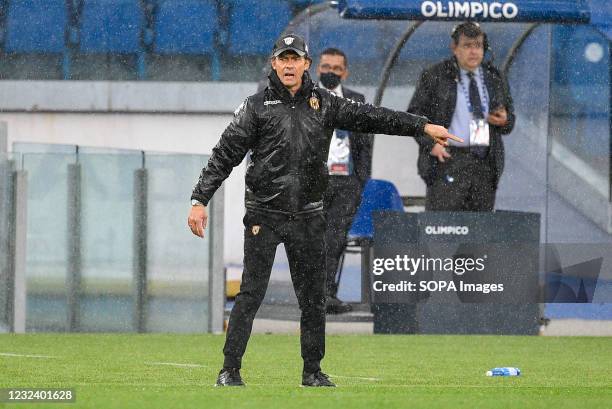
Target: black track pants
(303,237)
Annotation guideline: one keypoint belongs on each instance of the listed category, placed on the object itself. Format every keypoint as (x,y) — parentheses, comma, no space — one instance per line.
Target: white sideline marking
(176,364)
(26,356)
(356,377)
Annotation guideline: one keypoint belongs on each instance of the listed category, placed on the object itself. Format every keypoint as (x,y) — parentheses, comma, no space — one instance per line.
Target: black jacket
(435,97)
(361,144)
(289,141)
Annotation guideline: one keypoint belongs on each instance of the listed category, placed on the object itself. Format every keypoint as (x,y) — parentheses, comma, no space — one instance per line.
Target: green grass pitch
(138,371)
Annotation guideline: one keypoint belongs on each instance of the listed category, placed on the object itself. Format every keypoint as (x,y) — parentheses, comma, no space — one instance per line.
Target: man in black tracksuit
(349,164)
(287,127)
(455,93)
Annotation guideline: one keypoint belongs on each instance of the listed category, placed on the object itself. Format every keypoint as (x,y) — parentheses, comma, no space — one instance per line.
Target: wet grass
(175,371)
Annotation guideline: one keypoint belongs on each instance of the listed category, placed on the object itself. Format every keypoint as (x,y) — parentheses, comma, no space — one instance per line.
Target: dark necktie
(479,151)
(475,97)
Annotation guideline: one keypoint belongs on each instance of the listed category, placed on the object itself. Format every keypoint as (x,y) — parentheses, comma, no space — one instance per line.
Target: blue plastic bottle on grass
(505,371)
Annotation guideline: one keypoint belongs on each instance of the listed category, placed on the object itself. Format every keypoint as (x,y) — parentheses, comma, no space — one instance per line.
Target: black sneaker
(335,306)
(229,377)
(316,379)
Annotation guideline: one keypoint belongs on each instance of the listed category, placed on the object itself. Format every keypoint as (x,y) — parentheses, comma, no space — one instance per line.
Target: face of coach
(290,67)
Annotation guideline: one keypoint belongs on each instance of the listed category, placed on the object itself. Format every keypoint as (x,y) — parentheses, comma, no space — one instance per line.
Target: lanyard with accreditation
(479,127)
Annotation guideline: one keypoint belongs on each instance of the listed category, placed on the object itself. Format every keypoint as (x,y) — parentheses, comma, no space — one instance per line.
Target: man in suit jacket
(470,97)
(349,165)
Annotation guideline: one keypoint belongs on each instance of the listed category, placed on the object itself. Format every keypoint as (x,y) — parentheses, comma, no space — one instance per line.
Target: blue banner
(546,11)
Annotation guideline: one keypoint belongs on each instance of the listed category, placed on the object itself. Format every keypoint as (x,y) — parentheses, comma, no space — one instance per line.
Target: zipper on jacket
(294,188)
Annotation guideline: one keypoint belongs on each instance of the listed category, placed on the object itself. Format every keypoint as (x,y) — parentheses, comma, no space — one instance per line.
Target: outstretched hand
(440,134)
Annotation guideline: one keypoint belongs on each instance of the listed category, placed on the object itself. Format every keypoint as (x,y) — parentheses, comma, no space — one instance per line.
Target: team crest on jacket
(314,103)
(255,230)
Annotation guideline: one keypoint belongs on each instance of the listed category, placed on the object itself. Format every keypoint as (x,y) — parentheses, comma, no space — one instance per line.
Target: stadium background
(125,76)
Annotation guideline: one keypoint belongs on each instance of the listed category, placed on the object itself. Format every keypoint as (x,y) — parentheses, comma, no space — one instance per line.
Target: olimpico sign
(456,230)
(540,11)
(469,9)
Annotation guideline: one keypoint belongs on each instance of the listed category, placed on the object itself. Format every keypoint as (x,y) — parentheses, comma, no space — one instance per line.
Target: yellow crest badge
(314,103)
(255,230)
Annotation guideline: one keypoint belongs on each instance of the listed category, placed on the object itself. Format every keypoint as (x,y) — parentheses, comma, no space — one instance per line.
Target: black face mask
(329,80)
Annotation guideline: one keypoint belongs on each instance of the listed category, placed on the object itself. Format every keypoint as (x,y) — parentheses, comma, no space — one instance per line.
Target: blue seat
(185,27)
(111,26)
(377,195)
(36,26)
(255,25)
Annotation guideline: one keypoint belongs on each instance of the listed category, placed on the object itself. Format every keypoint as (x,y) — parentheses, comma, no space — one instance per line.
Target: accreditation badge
(479,132)
(339,158)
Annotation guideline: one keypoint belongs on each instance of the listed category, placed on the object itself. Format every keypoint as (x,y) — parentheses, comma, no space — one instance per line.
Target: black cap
(290,42)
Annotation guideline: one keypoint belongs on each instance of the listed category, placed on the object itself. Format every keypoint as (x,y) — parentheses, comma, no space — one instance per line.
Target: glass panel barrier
(47,244)
(177,261)
(87,247)
(107,234)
